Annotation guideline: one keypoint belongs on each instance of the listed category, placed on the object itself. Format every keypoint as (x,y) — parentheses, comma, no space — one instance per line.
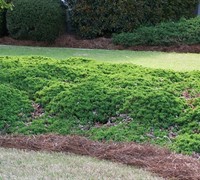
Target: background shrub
(93,18)
(36,20)
(182,32)
(2,23)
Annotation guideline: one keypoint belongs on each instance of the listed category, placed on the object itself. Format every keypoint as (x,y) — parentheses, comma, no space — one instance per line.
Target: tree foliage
(5,5)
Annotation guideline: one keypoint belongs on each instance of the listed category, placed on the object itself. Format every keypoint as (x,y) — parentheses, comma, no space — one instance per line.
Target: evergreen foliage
(36,20)
(182,32)
(92,18)
(104,101)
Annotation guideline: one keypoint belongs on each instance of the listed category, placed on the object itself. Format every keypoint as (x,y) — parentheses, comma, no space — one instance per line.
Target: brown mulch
(157,160)
(73,41)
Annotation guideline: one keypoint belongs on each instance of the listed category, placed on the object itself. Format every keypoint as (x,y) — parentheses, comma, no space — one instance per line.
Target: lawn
(16,164)
(174,61)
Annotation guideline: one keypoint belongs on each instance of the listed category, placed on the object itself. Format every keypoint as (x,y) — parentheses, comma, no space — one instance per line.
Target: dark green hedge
(36,20)
(182,32)
(2,23)
(93,18)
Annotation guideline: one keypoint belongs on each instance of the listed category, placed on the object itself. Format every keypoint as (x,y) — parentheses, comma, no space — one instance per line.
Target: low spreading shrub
(157,108)
(182,32)
(187,143)
(15,107)
(36,20)
(118,102)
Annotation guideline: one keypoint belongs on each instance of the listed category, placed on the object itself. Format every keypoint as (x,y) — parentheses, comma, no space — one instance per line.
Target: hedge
(36,20)
(2,23)
(182,32)
(93,18)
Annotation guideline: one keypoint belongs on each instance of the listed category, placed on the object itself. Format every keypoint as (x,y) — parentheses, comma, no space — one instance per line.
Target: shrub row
(104,101)
(36,20)
(182,32)
(2,23)
(93,18)
(45,20)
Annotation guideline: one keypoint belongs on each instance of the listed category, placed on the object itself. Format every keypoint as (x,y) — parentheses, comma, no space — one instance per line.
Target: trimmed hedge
(182,32)
(36,20)
(93,18)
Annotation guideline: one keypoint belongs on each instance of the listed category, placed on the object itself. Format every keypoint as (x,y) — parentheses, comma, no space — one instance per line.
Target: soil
(73,41)
(154,159)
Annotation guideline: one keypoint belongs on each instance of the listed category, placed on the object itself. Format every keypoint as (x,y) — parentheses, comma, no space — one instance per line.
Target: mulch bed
(154,159)
(72,41)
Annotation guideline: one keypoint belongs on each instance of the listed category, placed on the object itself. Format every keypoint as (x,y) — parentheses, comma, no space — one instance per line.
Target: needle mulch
(72,41)
(154,159)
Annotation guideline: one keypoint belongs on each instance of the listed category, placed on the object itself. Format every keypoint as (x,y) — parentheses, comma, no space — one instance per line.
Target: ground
(154,159)
(99,43)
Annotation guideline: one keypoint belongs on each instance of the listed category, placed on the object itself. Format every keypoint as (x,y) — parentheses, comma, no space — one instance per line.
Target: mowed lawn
(30,165)
(174,61)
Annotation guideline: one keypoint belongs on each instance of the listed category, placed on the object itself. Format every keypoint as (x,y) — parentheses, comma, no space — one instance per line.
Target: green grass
(174,61)
(21,165)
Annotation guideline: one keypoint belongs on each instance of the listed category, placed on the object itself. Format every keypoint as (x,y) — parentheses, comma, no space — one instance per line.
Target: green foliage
(187,143)
(182,32)
(4,4)
(96,18)
(158,108)
(2,23)
(104,101)
(93,18)
(36,20)
(14,106)
(45,125)
(86,102)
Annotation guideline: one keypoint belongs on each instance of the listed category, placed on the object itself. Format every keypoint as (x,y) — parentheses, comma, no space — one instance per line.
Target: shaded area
(72,41)
(154,159)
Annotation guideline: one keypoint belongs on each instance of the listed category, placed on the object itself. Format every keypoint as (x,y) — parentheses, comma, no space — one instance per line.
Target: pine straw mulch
(72,41)
(154,159)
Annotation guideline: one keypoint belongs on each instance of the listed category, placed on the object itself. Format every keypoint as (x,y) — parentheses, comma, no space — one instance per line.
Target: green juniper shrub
(170,33)
(187,143)
(47,93)
(46,124)
(121,102)
(14,106)
(88,102)
(158,108)
(190,120)
(124,130)
(36,20)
